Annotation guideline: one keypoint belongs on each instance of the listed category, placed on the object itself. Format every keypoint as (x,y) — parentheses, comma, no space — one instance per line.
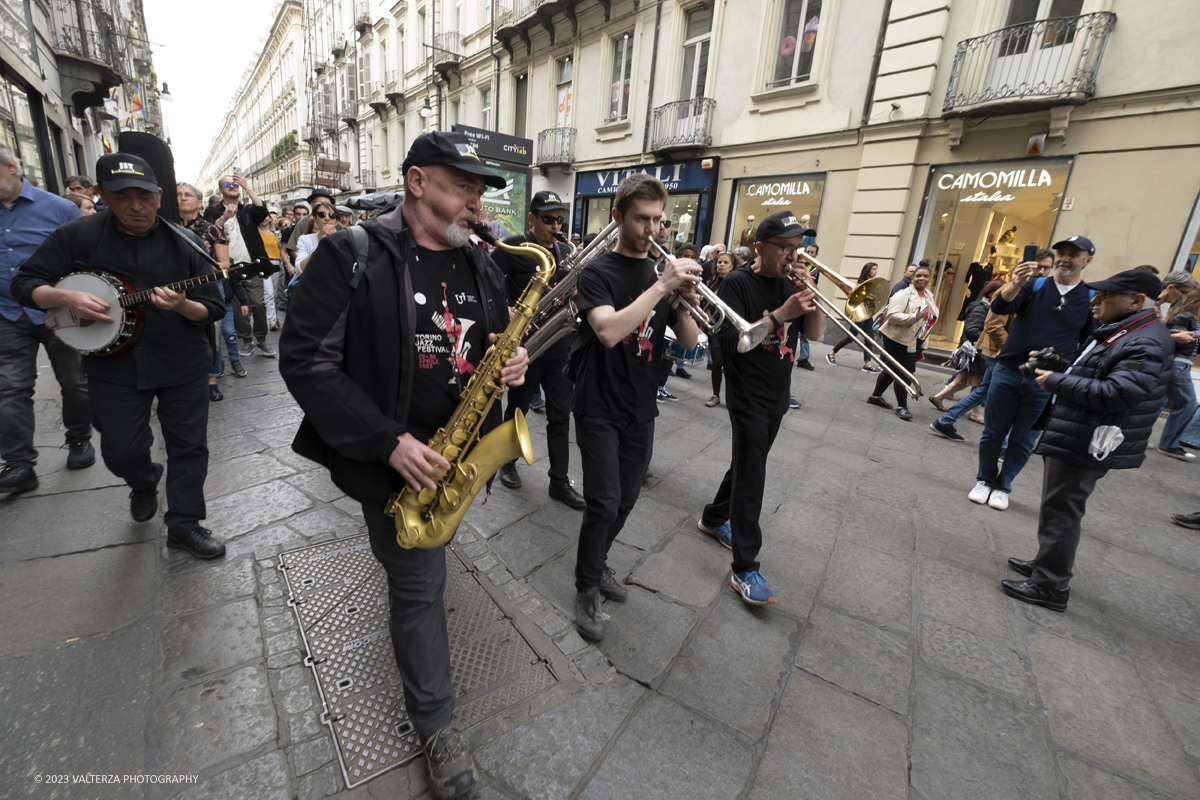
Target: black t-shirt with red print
(451,337)
(760,379)
(620,382)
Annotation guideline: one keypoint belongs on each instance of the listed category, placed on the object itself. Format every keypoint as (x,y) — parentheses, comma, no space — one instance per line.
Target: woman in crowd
(972,329)
(869,270)
(268,230)
(911,314)
(1181,394)
(86,206)
(724,264)
(319,224)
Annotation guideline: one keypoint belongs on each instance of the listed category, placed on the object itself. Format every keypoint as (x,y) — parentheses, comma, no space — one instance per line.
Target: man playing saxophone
(614,364)
(545,218)
(376,351)
(759,382)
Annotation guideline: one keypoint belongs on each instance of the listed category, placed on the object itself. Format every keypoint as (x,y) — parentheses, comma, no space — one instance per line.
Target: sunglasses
(1100,297)
(228,185)
(324,214)
(549,220)
(666,223)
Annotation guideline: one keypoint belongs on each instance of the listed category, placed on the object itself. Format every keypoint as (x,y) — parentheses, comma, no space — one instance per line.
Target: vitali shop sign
(682,177)
(996,180)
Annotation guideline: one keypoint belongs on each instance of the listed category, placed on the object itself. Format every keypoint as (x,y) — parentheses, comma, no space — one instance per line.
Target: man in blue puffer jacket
(1119,380)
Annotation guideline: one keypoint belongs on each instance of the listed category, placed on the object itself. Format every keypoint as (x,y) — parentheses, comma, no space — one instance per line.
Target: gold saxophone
(429,517)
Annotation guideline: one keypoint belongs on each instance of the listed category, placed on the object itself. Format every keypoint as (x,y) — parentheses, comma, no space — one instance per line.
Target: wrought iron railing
(391,79)
(684,123)
(349,109)
(372,92)
(1050,61)
(504,13)
(525,8)
(367,180)
(556,146)
(447,46)
(327,122)
(93,46)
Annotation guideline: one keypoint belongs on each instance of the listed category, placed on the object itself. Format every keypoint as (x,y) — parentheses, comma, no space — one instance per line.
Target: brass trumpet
(864,301)
(715,312)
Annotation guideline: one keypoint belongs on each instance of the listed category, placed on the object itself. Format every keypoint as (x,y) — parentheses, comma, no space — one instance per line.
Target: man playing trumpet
(757,393)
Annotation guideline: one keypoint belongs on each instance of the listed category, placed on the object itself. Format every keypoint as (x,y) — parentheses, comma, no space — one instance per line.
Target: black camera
(1045,359)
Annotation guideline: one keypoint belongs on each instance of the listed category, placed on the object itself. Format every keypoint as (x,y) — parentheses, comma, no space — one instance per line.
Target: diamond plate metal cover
(338,592)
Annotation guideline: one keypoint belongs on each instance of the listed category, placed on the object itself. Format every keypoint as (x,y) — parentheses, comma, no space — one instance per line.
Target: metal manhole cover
(339,594)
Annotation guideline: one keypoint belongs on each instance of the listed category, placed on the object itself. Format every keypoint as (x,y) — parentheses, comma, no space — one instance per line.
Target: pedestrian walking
(168,362)
(911,314)
(805,350)
(1115,385)
(724,264)
(241,221)
(867,326)
(29,215)
(992,335)
(970,376)
(1181,392)
(1050,312)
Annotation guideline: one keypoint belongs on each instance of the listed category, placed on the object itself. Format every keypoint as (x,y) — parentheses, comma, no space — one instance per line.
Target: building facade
(73,75)
(260,134)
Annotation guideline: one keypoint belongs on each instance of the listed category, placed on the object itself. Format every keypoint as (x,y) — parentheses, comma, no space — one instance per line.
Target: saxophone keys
(451,452)
(459,436)
(425,497)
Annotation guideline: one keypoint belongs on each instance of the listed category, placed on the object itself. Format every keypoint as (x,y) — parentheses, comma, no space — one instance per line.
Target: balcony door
(1036,47)
(694,73)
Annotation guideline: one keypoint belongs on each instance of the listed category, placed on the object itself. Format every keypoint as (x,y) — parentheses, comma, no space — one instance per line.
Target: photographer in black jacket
(1118,380)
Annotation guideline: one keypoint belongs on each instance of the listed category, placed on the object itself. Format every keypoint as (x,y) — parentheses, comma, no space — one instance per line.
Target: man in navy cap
(1115,386)
(1050,312)
(377,352)
(545,219)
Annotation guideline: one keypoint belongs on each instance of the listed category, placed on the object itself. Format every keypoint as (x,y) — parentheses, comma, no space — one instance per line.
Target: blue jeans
(1013,404)
(226,331)
(1191,433)
(804,349)
(975,398)
(1181,394)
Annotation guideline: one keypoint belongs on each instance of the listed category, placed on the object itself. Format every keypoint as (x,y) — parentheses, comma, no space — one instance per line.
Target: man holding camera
(1050,312)
(1117,383)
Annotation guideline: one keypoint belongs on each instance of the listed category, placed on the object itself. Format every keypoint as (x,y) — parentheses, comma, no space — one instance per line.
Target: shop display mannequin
(978,276)
(747,237)
(685,225)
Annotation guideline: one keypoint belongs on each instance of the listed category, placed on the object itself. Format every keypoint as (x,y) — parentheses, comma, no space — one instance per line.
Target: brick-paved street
(891,667)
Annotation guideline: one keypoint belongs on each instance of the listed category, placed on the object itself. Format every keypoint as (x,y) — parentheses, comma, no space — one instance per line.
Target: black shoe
(947,430)
(198,542)
(804,363)
(509,476)
(537,404)
(611,589)
(448,763)
(680,372)
(565,492)
(82,455)
(879,401)
(1036,594)
(1023,567)
(587,614)
(1187,520)
(903,413)
(214,393)
(143,503)
(17,479)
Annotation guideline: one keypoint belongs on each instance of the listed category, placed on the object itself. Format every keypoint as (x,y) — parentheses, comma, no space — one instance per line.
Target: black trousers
(547,371)
(122,416)
(416,591)
(1065,491)
(258,313)
(907,360)
(739,498)
(867,326)
(615,456)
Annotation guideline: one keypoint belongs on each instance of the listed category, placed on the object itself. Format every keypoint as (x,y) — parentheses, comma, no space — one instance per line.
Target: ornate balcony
(90,64)
(447,51)
(683,125)
(349,112)
(362,16)
(556,146)
(1050,62)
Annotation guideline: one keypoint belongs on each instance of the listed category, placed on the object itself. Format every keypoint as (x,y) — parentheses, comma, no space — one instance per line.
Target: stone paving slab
(860,657)
(687,569)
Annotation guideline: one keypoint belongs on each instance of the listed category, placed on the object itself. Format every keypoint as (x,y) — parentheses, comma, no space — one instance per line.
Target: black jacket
(519,270)
(1184,322)
(1122,382)
(249,217)
(347,354)
(973,326)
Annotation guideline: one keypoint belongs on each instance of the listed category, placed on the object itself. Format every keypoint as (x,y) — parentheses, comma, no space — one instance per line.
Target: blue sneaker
(793,402)
(752,588)
(944,429)
(723,532)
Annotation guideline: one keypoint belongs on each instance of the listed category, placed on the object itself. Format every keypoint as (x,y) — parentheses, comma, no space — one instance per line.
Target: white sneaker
(980,493)
(998,500)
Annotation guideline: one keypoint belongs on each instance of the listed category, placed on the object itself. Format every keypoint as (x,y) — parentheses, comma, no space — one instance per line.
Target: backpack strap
(358,235)
(87,238)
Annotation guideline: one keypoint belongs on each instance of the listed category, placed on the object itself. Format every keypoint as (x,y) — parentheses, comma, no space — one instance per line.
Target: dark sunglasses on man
(549,220)
(666,223)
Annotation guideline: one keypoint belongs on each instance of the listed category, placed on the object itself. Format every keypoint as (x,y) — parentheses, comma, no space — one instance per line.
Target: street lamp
(165,95)
(426,110)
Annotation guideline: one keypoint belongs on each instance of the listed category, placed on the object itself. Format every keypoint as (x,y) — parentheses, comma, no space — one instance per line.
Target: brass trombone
(863,302)
(714,312)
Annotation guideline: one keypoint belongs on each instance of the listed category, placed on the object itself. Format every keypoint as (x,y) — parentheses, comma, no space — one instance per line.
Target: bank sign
(686,176)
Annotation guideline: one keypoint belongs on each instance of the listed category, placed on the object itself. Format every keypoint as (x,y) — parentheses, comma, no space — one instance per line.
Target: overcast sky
(201,51)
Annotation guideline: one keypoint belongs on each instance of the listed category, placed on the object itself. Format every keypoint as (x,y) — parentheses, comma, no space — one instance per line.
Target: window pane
(687,73)
(1065,8)
(564,70)
(702,70)
(1021,11)
(699,22)
(618,103)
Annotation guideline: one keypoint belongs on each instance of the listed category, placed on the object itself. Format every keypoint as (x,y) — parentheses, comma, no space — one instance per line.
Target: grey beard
(456,236)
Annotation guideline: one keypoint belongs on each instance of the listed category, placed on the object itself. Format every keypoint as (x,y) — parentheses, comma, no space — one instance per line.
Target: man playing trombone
(757,394)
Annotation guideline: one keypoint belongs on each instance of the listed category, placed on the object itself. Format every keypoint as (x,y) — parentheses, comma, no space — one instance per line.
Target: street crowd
(1077,372)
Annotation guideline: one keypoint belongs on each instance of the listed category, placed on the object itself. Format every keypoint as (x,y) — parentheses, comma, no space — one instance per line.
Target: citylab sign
(684,176)
(996,179)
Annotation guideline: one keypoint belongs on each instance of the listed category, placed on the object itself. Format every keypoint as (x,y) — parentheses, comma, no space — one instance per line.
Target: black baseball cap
(547,201)
(1082,242)
(451,150)
(781,223)
(1131,280)
(117,171)
(317,193)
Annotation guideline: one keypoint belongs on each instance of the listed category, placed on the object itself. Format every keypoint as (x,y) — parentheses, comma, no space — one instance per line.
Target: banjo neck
(137,298)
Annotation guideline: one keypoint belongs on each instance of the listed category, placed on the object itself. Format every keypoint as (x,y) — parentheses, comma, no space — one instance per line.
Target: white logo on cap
(553,196)
(790,220)
(467,151)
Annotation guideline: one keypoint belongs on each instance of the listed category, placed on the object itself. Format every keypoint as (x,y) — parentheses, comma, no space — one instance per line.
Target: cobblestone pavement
(891,667)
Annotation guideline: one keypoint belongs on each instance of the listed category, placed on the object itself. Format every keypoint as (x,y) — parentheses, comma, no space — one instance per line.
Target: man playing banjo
(169,361)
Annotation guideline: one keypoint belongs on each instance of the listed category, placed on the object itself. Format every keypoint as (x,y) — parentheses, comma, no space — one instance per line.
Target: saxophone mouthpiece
(562,237)
(483,232)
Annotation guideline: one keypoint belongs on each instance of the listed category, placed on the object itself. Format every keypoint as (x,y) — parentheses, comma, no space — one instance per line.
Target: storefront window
(757,198)
(681,210)
(598,214)
(977,220)
(1189,248)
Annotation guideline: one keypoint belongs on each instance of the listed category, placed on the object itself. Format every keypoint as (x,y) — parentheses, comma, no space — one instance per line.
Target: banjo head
(93,337)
